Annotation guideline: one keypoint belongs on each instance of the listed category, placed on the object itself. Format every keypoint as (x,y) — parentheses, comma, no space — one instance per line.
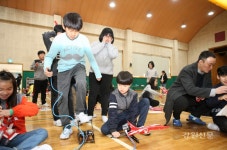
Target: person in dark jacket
(163,79)
(47,39)
(124,106)
(191,87)
(18,79)
(219,102)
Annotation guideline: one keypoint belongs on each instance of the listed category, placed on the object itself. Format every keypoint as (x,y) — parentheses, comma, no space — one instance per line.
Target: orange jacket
(22,110)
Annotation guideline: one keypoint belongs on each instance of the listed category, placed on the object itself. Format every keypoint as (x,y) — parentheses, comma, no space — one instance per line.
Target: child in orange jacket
(13,110)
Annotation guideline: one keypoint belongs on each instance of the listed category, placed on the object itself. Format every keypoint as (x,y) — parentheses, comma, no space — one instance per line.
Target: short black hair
(41,52)
(205,54)
(152,63)
(125,78)
(58,28)
(106,31)
(222,71)
(73,20)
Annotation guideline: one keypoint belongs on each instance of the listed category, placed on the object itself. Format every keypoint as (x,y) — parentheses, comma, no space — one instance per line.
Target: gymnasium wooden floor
(189,137)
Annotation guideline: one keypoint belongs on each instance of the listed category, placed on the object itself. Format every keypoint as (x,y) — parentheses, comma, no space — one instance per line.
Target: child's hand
(48,73)
(36,64)
(221,90)
(98,79)
(115,134)
(4,112)
(223,97)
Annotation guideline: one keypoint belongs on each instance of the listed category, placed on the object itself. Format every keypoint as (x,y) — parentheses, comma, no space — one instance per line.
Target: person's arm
(54,50)
(112,113)
(47,38)
(151,91)
(133,110)
(112,50)
(93,62)
(165,78)
(33,65)
(24,109)
(97,47)
(187,81)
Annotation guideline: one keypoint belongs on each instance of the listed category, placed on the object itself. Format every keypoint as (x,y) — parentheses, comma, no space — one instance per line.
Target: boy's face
(71,33)
(41,56)
(223,79)
(123,89)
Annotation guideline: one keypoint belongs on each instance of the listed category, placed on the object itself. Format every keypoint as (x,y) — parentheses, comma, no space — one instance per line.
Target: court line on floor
(115,139)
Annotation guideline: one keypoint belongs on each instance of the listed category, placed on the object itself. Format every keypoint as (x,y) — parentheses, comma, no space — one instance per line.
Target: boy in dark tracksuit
(218,102)
(124,106)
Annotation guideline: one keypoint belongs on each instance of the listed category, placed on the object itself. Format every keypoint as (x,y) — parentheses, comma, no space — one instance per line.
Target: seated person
(150,91)
(218,102)
(124,106)
(13,110)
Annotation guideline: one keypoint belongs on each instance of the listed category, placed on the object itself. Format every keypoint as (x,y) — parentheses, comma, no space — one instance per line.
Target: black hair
(58,28)
(7,76)
(205,54)
(106,31)
(152,63)
(40,52)
(222,71)
(124,77)
(151,83)
(73,21)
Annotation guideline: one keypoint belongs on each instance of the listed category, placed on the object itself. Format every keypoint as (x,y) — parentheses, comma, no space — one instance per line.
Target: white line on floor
(115,139)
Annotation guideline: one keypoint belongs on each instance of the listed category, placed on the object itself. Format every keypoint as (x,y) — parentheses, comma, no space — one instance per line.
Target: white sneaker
(47,105)
(43,147)
(66,133)
(83,117)
(57,123)
(104,119)
(213,126)
(90,117)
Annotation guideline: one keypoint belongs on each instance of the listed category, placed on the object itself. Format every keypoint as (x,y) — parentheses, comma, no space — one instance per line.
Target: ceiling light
(112,4)
(210,13)
(183,26)
(149,15)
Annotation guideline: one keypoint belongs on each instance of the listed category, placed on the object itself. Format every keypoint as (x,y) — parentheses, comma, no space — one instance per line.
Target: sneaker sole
(189,120)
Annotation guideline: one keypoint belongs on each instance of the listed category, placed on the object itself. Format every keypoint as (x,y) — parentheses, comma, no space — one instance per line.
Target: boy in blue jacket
(124,106)
(72,47)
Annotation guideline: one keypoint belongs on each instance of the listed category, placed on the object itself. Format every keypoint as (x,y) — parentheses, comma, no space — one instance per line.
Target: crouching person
(124,106)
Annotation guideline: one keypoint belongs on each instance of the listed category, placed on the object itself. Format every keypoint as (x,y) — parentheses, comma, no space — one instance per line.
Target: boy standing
(72,47)
(124,106)
(40,79)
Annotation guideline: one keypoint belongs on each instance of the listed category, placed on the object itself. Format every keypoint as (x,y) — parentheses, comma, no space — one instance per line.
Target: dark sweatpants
(54,98)
(40,86)
(188,103)
(221,121)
